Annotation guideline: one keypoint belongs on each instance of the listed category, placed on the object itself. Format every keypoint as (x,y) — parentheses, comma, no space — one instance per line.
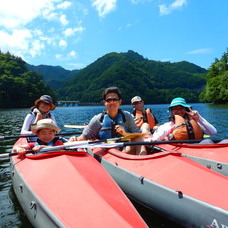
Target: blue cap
(179,101)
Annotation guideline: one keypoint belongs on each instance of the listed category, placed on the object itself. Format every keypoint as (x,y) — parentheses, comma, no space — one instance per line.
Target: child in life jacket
(184,123)
(45,129)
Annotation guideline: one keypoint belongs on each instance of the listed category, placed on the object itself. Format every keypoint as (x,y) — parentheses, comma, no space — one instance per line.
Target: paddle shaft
(25,136)
(61,147)
(14,153)
(83,144)
(164,142)
(78,144)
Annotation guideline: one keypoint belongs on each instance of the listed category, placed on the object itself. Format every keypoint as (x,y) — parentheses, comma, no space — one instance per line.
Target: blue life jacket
(54,142)
(108,125)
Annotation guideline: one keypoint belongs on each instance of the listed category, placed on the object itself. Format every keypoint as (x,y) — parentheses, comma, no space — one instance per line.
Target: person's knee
(224,141)
(206,141)
(145,128)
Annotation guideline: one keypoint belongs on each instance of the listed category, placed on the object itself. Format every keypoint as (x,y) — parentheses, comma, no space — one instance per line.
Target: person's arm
(163,131)
(27,123)
(38,115)
(53,118)
(21,150)
(207,128)
(130,125)
(90,132)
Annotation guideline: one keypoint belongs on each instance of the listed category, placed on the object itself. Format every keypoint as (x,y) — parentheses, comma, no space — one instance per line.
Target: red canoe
(174,186)
(213,156)
(70,189)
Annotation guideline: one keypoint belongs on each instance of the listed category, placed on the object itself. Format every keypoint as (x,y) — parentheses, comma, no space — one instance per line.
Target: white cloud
(28,27)
(72,31)
(36,48)
(125,27)
(104,6)
(17,40)
(69,55)
(200,51)
(58,56)
(63,20)
(167,9)
(62,43)
(64,5)
(14,13)
(49,15)
(72,54)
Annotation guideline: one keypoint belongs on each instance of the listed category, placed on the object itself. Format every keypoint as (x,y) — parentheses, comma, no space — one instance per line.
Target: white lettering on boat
(215,224)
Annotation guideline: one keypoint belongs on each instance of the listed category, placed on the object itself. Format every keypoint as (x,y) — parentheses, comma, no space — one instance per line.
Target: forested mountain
(54,76)
(216,90)
(19,87)
(156,82)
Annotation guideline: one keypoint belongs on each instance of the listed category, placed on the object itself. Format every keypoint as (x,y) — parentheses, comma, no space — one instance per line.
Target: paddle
(14,153)
(75,126)
(140,143)
(25,136)
(54,148)
(82,144)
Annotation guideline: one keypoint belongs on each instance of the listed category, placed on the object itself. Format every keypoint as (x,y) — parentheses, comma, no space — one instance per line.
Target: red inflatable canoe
(177,187)
(70,189)
(213,156)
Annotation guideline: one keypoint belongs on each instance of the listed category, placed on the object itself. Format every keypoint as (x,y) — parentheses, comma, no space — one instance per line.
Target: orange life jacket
(140,119)
(186,129)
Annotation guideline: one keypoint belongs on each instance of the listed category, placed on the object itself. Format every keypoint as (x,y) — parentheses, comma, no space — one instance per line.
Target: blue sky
(73,34)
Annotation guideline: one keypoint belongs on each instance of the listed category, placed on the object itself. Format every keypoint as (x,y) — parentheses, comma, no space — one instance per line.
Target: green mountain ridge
(156,82)
(54,76)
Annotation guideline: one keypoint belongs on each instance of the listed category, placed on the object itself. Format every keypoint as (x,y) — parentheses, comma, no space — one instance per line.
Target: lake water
(11,214)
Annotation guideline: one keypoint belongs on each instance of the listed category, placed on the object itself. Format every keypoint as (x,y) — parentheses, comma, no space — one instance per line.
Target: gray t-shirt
(94,126)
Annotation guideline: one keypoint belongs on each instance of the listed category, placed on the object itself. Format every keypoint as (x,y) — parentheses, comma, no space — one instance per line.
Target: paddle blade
(133,136)
(75,126)
(206,136)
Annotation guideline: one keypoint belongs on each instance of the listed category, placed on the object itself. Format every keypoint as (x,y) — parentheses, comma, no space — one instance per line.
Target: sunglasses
(136,103)
(112,99)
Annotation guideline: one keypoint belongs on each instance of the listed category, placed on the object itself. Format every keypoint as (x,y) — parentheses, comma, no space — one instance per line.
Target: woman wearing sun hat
(184,123)
(40,111)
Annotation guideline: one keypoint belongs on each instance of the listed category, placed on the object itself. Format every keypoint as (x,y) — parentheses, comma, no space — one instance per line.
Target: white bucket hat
(45,123)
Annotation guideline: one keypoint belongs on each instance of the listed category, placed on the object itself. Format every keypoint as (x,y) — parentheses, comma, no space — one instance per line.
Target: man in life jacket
(184,123)
(143,117)
(112,122)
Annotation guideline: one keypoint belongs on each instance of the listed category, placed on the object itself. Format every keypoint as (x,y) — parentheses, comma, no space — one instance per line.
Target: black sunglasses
(112,99)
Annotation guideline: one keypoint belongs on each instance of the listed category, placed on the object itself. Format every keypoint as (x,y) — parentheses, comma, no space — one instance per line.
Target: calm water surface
(11,214)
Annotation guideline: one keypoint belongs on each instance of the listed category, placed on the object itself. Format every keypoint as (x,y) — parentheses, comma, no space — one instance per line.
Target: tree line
(19,87)
(216,89)
(157,82)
